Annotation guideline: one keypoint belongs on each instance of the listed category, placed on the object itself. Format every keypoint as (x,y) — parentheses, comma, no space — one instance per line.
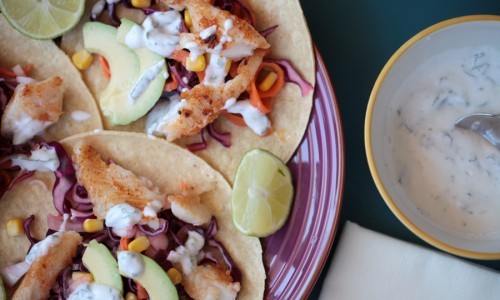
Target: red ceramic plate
(295,255)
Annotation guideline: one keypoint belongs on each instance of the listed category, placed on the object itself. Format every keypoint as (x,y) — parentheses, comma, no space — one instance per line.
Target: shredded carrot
(278,85)
(255,99)
(184,186)
(201,75)
(104,66)
(171,85)
(124,244)
(233,70)
(180,56)
(236,119)
(7,73)
(27,69)
(141,291)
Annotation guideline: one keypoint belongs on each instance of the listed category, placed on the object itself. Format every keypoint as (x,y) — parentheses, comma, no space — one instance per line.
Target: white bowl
(424,53)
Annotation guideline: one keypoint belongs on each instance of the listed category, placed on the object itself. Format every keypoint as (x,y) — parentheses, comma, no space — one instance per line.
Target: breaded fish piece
(109,184)
(203,104)
(210,282)
(240,38)
(33,107)
(44,271)
(189,208)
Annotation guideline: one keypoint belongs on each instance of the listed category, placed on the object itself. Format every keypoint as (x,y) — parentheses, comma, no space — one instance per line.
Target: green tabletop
(356,38)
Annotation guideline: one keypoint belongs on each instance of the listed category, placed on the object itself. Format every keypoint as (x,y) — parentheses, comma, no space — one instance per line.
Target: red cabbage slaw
(68,194)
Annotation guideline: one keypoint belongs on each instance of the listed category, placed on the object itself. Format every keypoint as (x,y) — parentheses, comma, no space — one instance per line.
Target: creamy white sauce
(452,175)
(80,115)
(122,217)
(97,9)
(163,114)
(144,80)
(94,291)
(206,33)
(159,33)
(229,102)
(44,160)
(42,247)
(188,256)
(256,120)
(130,264)
(26,128)
(64,223)
(215,73)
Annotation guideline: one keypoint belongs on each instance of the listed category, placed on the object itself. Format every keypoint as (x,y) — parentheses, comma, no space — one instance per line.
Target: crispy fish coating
(210,282)
(204,103)
(44,271)
(33,107)
(109,184)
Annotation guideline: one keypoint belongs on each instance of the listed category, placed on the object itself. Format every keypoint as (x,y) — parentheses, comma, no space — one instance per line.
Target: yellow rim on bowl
(368,141)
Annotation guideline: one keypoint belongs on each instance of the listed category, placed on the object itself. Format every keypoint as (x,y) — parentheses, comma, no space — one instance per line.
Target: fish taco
(217,77)
(124,213)
(41,92)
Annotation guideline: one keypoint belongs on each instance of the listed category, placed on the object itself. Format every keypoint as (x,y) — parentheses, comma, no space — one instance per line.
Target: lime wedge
(42,19)
(2,291)
(262,194)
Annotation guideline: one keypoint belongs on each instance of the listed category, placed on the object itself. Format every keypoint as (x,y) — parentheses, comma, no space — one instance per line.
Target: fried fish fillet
(33,107)
(109,184)
(43,273)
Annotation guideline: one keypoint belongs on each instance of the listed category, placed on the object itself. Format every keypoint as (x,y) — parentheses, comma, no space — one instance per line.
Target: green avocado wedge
(152,277)
(103,266)
(130,94)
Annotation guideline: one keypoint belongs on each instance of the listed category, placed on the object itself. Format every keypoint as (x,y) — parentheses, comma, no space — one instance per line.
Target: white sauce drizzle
(42,247)
(44,160)
(26,128)
(215,73)
(98,8)
(256,120)
(96,291)
(188,256)
(80,115)
(143,82)
(122,217)
(64,223)
(159,33)
(130,264)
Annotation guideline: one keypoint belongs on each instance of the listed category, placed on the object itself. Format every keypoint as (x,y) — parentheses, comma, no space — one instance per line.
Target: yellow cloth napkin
(370,265)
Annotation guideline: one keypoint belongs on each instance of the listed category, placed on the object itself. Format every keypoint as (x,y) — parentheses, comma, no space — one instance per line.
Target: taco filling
(116,234)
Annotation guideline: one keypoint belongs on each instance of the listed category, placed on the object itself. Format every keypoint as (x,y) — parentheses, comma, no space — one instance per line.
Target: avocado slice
(127,67)
(153,278)
(103,266)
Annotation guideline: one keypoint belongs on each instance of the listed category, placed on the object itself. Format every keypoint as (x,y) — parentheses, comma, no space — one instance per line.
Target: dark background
(356,38)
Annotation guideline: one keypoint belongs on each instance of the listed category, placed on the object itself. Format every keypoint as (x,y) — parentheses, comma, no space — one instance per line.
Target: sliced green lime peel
(262,194)
(42,19)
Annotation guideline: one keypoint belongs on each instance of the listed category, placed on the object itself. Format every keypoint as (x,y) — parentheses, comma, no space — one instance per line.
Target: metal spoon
(486,125)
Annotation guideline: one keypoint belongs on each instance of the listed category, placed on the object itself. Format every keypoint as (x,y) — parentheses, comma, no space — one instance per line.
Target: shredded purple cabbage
(21,176)
(27,231)
(291,75)
(113,18)
(266,32)
(150,232)
(222,137)
(55,223)
(200,145)
(230,5)
(64,282)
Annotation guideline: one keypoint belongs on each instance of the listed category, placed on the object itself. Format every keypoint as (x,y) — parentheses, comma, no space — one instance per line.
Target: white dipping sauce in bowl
(451,174)
(441,182)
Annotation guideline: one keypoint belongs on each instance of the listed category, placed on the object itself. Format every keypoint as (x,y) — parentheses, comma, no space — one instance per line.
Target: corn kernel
(187,19)
(139,244)
(15,227)
(141,3)
(77,275)
(93,225)
(196,66)
(82,59)
(130,296)
(228,66)
(175,276)
(268,82)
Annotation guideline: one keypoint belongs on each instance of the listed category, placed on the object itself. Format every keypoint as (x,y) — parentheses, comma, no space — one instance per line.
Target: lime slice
(262,194)
(2,290)
(42,19)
